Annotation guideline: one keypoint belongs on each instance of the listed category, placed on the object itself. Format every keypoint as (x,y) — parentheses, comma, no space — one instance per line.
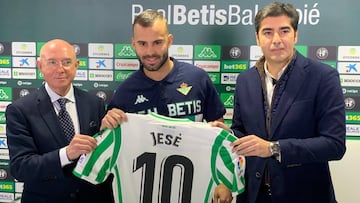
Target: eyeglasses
(54,63)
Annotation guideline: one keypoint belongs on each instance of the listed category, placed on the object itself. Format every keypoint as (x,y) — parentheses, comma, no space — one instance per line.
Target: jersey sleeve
(96,166)
(227,167)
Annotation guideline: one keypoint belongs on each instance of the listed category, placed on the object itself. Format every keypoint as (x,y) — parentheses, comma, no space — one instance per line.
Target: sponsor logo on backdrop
(227,99)
(352,130)
(214,77)
(102,95)
(83,63)
(228,78)
(234,66)
(6,186)
(6,197)
(181,51)
(20,73)
(5,61)
(5,73)
(126,64)
(350,80)
(81,50)
(24,83)
(122,75)
(24,92)
(5,94)
(209,66)
(100,85)
(349,103)
(207,52)
(81,75)
(351,91)
(77,49)
(229,88)
(21,92)
(104,50)
(349,53)
(348,67)
(24,62)
(322,53)
(3,143)
(97,63)
(3,174)
(352,117)
(78,84)
(124,51)
(235,53)
(5,48)
(4,154)
(101,75)
(106,95)
(23,48)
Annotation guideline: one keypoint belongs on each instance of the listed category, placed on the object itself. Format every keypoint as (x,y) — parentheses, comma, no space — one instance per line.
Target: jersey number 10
(146,162)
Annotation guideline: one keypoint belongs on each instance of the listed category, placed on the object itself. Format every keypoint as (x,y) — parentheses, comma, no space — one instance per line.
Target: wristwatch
(274,148)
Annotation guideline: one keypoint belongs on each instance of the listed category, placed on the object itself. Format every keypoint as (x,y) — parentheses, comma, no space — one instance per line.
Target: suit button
(258,175)
(73,195)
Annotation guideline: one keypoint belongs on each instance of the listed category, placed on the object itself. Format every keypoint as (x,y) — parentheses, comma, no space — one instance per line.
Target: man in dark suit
(289,116)
(40,154)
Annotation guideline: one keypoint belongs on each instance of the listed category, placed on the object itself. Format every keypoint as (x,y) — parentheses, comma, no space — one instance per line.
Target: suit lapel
(255,98)
(48,115)
(294,83)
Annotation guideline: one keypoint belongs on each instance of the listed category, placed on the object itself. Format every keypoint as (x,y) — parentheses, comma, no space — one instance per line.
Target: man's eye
(66,63)
(52,63)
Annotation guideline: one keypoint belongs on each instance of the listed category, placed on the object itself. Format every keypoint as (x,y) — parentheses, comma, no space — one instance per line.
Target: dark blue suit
(307,118)
(34,139)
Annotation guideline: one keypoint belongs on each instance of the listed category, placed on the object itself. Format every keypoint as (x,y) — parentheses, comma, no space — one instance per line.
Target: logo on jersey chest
(141,99)
(184,108)
(184,88)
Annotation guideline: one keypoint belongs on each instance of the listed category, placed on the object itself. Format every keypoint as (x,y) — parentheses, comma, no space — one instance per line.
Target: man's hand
(113,118)
(80,144)
(251,145)
(219,124)
(222,194)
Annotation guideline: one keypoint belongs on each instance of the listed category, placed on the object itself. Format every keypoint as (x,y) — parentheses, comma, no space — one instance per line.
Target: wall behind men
(217,36)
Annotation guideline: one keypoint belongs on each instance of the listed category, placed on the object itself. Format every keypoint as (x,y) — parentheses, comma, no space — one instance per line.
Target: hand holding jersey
(113,118)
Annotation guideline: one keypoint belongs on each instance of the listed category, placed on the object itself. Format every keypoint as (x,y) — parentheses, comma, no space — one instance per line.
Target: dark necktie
(65,120)
(274,81)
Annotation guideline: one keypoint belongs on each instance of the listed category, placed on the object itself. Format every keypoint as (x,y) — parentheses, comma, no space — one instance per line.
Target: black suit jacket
(34,138)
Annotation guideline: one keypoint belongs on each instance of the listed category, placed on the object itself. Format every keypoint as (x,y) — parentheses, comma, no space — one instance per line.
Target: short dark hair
(277,9)
(148,17)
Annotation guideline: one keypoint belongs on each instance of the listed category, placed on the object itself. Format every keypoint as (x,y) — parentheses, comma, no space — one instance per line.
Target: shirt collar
(54,97)
(268,74)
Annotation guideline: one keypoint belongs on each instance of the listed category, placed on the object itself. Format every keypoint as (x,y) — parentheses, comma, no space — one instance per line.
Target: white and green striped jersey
(160,159)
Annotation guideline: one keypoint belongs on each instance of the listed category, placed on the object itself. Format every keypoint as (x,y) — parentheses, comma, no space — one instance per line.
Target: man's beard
(155,67)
